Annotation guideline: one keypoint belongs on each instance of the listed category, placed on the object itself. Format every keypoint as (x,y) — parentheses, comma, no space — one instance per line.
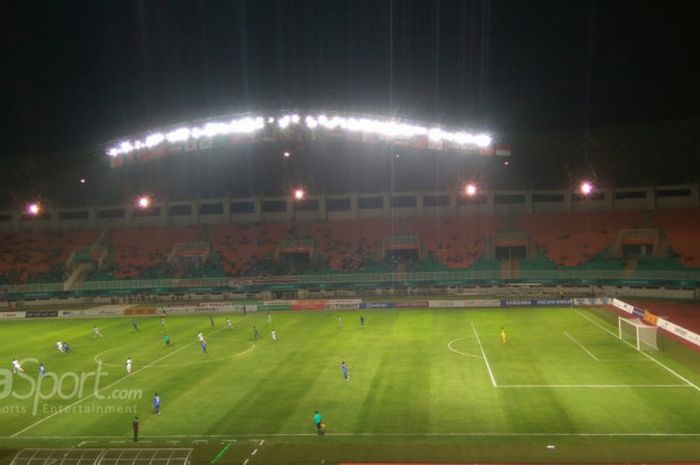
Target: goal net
(640,335)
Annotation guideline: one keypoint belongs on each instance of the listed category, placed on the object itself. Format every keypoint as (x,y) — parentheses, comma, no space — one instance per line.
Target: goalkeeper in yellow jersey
(504,336)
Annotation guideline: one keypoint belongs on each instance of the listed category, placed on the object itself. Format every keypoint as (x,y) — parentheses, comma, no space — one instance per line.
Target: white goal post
(642,336)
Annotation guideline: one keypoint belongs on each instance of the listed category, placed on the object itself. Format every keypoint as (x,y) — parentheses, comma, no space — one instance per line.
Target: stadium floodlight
(33,209)
(143,201)
(82,181)
(387,128)
(470,189)
(299,194)
(586,188)
(286,154)
(284,121)
(311,122)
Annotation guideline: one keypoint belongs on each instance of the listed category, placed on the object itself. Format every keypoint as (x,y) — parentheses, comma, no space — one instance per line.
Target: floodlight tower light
(470,189)
(33,209)
(299,194)
(586,188)
(143,202)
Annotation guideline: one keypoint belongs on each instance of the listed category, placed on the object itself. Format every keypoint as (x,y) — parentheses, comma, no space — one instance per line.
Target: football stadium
(422,326)
(413,269)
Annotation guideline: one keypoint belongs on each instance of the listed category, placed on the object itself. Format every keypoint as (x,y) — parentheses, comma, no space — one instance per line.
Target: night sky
(78,74)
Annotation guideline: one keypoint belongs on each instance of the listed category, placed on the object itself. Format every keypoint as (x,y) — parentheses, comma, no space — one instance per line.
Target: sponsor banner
(288,303)
(272,308)
(139,311)
(535,302)
(638,312)
(679,331)
(337,306)
(343,301)
(378,305)
(592,302)
(482,303)
(41,313)
(106,311)
(445,303)
(308,305)
(212,307)
(11,315)
(464,303)
(72,313)
(651,318)
(89,312)
(625,307)
(412,304)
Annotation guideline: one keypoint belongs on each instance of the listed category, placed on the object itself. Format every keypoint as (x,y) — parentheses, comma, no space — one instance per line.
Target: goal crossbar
(642,336)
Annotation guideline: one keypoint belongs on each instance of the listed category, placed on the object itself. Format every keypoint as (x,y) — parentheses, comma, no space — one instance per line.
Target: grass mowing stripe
(486,360)
(662,365)
(38,422)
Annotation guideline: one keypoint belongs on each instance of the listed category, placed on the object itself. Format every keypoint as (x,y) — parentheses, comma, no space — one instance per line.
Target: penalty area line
(486,360)
(662,365)
(582,346)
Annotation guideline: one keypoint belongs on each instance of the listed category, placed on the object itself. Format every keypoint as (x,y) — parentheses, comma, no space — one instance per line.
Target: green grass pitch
(436,385)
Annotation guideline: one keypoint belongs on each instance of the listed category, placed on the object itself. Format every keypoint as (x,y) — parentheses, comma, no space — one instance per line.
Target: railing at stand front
(691,278)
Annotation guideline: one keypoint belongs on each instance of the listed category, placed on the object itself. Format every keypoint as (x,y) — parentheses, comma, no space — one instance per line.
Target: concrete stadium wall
(377,205)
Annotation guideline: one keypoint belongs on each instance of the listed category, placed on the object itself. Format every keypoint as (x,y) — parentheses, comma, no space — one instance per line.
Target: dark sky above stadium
(78,73)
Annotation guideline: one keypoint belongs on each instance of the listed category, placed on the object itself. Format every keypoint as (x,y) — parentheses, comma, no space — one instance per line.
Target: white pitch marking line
(245,462)
(662,365)
(254,452)
(68,407)
(449,346)
(593,386)
(582,347)
(486,360)
(475,434)
(262,441)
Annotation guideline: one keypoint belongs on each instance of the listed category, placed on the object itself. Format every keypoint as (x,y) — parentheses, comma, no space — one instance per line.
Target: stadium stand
(39,256)
(570,239)
(242,250)
(681,228)
(595,241)
(350,245)
(142,252)
(456,242)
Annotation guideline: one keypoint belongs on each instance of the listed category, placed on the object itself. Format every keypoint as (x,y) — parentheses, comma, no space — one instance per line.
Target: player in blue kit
(346,371)
(156,403)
